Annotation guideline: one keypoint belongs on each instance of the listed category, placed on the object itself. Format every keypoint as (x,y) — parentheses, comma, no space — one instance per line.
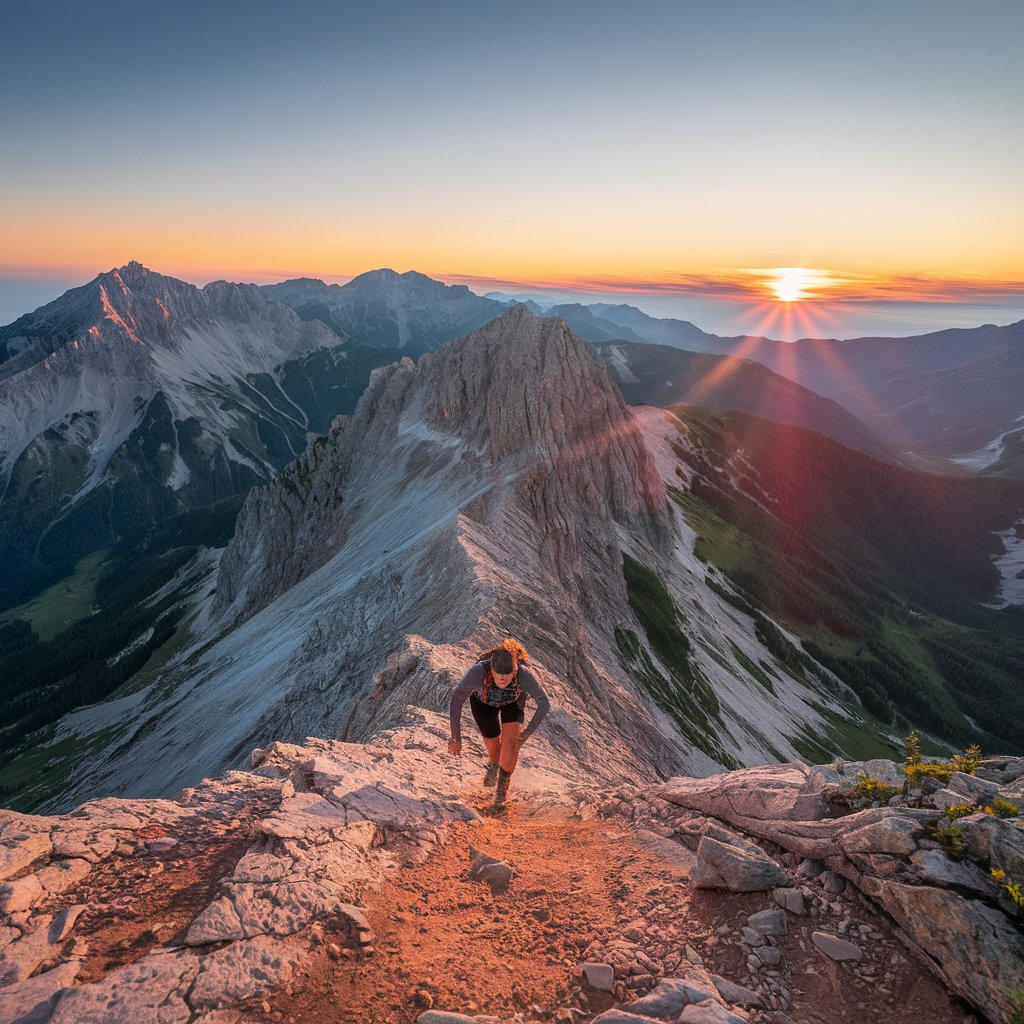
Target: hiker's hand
(455,747)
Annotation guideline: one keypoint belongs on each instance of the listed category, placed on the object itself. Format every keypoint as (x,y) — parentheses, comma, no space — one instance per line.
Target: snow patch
(179,475)
(984,457)
(1011,568)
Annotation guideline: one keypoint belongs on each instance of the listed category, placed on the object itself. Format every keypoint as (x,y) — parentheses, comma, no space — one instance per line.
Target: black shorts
(486,717)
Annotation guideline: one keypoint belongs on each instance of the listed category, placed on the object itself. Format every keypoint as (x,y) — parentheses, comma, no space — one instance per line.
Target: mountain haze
(382,308)
(662,375)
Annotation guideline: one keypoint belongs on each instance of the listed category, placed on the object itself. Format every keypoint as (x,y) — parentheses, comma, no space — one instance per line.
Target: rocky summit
(345,882)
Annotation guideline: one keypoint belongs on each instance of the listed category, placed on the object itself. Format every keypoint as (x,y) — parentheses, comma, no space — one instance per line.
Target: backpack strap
(489,682)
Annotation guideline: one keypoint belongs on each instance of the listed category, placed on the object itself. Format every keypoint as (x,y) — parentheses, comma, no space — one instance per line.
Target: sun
(791,284)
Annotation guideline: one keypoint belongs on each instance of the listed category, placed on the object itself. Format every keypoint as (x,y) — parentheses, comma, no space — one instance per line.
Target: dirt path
(445,942)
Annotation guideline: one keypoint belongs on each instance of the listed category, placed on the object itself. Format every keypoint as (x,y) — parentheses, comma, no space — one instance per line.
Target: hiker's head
(503,667)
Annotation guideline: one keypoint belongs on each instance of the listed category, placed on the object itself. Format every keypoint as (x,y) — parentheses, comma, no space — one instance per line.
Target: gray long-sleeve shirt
(473,682)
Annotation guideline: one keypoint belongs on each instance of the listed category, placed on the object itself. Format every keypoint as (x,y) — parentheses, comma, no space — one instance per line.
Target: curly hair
(510,652)
(506,657)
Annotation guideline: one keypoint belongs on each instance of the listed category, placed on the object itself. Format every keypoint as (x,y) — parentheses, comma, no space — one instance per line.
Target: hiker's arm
(529,684)
(470,681)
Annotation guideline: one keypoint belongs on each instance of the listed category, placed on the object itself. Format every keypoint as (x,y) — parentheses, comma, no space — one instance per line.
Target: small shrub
(1014,889)
(1016,996)
(870,788)
(1004,809)
(916,772)
(954,811)
(912,749)
(864,792)
(951,838)
(968,762)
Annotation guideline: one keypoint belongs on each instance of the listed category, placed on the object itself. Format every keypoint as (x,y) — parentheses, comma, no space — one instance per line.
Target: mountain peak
(374,278)
(520,399)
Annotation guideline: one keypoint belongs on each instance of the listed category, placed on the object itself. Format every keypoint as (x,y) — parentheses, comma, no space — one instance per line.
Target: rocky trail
(582,891)
(342,882)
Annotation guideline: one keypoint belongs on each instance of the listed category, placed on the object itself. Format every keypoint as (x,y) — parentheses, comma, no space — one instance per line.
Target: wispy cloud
(749,284)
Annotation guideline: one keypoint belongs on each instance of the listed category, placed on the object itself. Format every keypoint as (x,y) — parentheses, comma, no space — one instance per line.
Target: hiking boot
(491,775)
(501,792)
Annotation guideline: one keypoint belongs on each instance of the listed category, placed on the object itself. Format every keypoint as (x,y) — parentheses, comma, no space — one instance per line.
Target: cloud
(754,284)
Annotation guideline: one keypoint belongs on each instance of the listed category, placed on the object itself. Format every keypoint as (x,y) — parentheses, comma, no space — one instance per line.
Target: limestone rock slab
(791,792)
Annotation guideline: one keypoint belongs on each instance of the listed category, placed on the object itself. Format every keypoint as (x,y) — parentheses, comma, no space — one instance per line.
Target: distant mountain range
(661,375)
(409,312)
(137,396)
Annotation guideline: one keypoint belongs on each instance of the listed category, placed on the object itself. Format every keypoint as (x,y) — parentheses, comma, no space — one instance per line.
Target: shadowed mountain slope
(661,375)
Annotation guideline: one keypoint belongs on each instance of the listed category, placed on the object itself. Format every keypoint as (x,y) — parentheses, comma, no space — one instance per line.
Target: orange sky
(597,146)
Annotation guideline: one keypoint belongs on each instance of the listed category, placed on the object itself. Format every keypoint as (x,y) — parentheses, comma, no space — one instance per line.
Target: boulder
(219,922)
(737,868)
(836,948)
(667,999)
(943,798)
(769,922)
(935,868)
(736,995)
(33,950)
(273,909)
(32,1001)
(895,835)
(994,843)
(790,899)
(151,990)
(832,882)
(20,894)
(63,922)
(791,792)
(497,874)
(599,976)
(977,791)
(709,1012)
(242,971)
(845,773)
(975,948)
(1012,769)
(18,850)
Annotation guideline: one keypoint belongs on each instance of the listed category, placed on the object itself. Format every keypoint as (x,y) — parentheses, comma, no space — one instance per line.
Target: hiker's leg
(488,722)
(509,754)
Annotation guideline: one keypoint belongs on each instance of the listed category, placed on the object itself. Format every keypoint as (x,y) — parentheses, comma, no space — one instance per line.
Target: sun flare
(791,284)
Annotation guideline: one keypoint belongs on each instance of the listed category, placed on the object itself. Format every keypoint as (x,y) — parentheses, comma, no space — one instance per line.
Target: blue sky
(530,142)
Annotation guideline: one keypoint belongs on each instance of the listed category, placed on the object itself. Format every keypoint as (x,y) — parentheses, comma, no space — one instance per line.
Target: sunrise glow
(572,183)
(792,284)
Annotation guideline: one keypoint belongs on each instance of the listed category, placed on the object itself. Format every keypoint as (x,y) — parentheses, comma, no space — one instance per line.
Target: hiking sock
(491,775)
(501,792)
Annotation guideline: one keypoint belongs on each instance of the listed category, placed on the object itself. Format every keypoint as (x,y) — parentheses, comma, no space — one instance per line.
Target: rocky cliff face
(139,396)
(519,408)
(345,882)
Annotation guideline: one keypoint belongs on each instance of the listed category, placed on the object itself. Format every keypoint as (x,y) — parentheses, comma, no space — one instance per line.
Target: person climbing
(497,687)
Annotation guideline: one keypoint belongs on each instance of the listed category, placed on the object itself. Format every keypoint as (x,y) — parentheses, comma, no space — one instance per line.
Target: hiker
(497,687)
